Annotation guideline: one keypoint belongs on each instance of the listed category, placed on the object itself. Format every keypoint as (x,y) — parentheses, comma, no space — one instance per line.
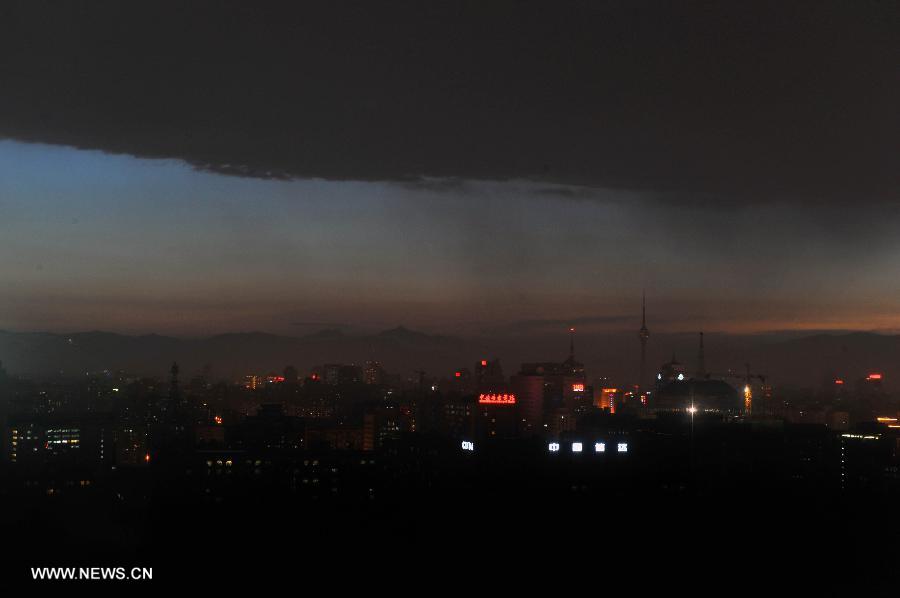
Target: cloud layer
(763,99)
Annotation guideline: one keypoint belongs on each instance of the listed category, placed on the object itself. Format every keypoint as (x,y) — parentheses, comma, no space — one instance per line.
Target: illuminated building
(384,423)
(529,390)
(331,373)
(670,372)
(454,416)
(607,399)
(374,373)
(864,459)
(497,416)
(497,399)
(131,445)
(547,391)
(83,443)
(706,396)
(873,382)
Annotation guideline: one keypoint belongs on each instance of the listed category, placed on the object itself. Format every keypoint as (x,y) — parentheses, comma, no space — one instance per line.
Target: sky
(465,169)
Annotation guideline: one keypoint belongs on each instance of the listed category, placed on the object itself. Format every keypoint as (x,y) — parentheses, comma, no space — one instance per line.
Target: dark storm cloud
(738,100)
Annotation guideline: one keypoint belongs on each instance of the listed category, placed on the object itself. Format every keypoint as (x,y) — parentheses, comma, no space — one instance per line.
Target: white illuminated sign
(468,445)
(623,447)
(554,447)
(599,447)
(576,447)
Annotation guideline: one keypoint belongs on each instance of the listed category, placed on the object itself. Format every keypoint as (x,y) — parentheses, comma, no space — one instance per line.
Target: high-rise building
(549,391)
(374,373)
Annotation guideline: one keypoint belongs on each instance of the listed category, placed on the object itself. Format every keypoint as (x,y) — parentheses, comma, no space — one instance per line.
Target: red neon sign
(578,387)
(497,399)
(459,374)
(874,377)
(839,381)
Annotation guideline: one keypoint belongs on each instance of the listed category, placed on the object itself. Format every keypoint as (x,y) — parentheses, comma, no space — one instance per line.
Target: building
(550,393)
(373,373)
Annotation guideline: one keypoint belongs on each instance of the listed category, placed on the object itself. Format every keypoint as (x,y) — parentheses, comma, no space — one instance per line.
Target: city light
(577,447)
(873,377)
(497,399)
(622,447)
(553,447)
(578,387)
(468,445)
(458,374)
(218,420)
(599,447)
(839,382)
(681,376)
(692,410)
(484,363)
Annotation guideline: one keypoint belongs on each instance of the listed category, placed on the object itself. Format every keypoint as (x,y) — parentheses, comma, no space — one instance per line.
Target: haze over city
(473,296)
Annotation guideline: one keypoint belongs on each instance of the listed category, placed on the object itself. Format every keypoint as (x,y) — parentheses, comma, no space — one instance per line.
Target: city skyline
(382,297)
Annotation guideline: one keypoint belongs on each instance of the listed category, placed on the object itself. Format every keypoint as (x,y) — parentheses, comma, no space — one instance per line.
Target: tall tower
(701,361)
(572,343)
(643,334)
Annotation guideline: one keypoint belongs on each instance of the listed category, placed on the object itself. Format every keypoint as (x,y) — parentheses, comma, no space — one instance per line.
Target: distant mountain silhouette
(405,335)
(326,333)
